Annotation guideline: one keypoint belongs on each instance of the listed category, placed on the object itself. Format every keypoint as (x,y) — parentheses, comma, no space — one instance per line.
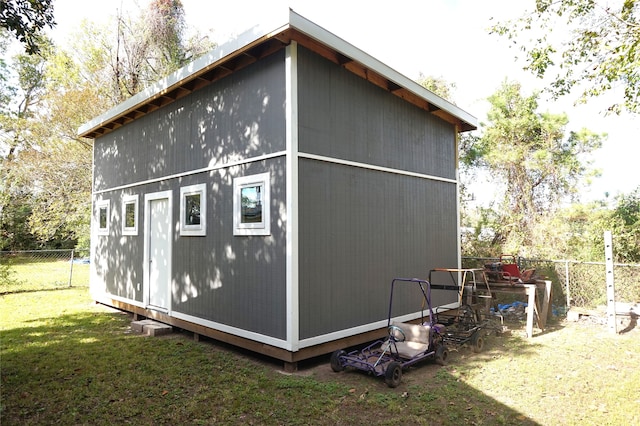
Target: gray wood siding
(238,281)
(359,229)
(119,257)
(344,116)
(239,116)
(235,280)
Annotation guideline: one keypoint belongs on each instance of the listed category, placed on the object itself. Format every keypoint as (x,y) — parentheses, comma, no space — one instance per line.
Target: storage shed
(267,194)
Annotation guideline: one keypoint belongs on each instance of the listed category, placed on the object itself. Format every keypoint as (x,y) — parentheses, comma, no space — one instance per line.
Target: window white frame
(186,228)
(261,181)
(103,206)
(128,200)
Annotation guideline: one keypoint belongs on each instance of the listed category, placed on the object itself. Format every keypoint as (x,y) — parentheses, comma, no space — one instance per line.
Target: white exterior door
(158,253)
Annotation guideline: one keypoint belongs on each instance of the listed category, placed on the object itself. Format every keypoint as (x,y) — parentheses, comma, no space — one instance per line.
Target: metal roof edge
(272,26)
(161,86)
(314,30)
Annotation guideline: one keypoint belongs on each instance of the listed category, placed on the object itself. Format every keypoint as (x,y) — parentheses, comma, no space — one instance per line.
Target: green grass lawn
(42,274)
(66,360)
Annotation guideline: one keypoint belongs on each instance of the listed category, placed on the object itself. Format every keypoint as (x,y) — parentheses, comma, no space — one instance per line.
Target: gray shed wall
(235,280)
(240,116)
(241,280)
(360,228)
(344,116)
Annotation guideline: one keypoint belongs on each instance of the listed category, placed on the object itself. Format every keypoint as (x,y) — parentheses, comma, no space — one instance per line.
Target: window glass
(102,216)
(130,215)
(193,210)
(251,201)
(251,204)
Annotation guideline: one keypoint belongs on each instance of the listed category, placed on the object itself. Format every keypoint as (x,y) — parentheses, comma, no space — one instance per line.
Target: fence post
(611,303)
(71,268)
(566,282)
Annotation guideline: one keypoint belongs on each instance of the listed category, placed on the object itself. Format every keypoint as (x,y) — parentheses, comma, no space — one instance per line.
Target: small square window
(130,215)
(103,216)
(193,210)
(251,201)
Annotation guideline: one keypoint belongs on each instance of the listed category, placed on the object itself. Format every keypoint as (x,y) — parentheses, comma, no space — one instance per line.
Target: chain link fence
(575,284)
(578,284)
(33,270)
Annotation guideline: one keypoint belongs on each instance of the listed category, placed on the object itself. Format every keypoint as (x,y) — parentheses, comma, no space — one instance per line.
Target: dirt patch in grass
(572,373)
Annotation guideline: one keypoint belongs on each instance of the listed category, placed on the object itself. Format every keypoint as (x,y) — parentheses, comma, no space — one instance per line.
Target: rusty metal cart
(471,321)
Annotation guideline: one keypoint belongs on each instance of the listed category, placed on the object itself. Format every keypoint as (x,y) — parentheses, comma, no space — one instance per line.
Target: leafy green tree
(598,54)
(24,83)
(53,165)
(7,90)
(152,46)
(45,167)
(532,157)
(626,227)
(26,19)
(573,232)
(166,30)
(14,222)
(576,231)
(25,98)
(58,175)
(437,85)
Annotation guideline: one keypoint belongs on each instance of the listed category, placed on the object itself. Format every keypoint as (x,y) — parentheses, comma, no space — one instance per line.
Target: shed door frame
(148,199)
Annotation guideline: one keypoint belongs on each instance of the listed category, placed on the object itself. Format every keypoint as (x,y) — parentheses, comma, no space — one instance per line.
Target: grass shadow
(428,394)
(67,360)
(85,366)
(632,324)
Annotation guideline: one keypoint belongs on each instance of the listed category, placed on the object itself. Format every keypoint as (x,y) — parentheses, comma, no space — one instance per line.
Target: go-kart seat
(416,339)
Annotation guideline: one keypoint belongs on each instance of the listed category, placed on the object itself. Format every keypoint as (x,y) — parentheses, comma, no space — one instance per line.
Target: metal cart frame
(470,322)
(391,356)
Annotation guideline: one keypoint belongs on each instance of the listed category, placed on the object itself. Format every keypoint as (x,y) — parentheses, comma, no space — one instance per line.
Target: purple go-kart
(406,344)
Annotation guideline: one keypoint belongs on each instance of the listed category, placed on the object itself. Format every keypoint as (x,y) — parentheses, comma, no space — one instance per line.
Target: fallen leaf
(164,392)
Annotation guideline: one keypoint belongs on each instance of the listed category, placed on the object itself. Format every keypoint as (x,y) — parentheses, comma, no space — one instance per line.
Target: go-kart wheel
(393,374)
(442,353)
(477,342)
(336,364)
(396,334)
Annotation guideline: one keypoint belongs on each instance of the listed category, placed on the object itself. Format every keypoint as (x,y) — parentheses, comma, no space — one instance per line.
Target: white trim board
(374,167)
(194,172)
(292,257)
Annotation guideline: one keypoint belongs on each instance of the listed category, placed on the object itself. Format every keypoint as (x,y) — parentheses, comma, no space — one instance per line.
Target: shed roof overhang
(257,43)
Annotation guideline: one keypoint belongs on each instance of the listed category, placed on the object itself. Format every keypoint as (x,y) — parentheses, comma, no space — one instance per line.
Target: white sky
(442,38)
